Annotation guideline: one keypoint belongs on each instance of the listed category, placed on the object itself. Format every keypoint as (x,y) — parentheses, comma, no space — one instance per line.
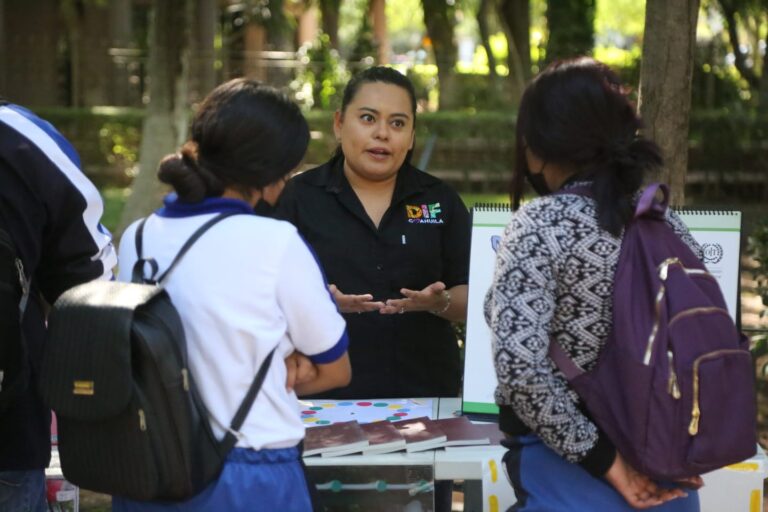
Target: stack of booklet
(412,435)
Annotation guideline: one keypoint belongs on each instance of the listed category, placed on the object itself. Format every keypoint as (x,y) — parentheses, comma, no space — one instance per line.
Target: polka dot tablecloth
(324,412)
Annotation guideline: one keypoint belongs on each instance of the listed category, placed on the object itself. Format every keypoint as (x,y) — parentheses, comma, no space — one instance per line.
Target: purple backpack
(673,387)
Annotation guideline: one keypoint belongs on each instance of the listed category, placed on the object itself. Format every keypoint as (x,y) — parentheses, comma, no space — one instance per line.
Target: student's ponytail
(191,181)
(618,177)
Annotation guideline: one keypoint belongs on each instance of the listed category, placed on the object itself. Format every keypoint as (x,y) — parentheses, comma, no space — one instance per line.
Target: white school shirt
(247,285)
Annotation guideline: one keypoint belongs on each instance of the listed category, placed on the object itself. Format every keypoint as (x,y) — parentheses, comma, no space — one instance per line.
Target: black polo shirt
(423,237)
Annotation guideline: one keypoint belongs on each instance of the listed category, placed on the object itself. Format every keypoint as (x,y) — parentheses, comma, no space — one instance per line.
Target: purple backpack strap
(648,203)
(563,361)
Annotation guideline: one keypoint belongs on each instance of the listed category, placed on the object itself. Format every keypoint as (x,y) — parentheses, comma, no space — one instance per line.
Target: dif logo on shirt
(424,214)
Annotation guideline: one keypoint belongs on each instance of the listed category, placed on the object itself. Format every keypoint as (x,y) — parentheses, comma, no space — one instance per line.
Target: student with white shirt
(248,285)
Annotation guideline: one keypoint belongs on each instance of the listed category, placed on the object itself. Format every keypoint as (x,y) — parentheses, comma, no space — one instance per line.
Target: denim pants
(23,491)
(546,482)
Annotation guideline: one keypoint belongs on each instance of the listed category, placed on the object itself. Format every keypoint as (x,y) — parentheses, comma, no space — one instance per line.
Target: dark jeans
(23,491)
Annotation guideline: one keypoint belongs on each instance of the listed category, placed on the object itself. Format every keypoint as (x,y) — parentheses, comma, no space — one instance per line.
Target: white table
(737,488)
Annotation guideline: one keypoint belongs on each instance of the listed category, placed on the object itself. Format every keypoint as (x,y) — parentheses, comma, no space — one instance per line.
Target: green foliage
(106,138)
(365,48)
(716,84)
(623,18)
(119,143)
(571,26)
(114,201)
(758,248)
(424,79)
(320,83)
(626,63)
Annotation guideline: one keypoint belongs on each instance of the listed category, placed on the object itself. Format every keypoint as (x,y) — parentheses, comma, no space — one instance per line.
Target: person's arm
(314,324)
(76,248)
(329,376)
(450,304)
(349,303)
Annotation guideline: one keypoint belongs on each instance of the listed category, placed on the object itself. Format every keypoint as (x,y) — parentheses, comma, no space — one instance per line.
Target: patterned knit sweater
(554,279)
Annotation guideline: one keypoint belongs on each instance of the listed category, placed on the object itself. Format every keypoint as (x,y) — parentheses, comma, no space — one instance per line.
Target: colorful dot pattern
(363,411)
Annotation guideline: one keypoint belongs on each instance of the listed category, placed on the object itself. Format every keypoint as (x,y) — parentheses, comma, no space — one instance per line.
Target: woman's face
(376,131)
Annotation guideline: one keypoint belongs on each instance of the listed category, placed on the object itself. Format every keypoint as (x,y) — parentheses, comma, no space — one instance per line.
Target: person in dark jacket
(393,242)
(52,213)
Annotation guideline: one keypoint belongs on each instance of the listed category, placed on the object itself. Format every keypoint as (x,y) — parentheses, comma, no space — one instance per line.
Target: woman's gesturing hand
(432,298)
(354,303)
(640,491)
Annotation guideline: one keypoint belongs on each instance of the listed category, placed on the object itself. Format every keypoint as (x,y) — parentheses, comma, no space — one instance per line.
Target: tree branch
(729,14)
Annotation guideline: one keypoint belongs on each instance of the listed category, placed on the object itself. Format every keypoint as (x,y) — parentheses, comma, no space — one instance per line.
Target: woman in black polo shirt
(393,241)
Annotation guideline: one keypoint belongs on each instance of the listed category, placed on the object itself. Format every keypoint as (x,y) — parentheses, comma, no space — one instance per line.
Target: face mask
(537,182)
(264,209)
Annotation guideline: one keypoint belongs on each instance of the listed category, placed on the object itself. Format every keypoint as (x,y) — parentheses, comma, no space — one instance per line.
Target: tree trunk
(516,19)
(440,22)
(483,11)
(121,93)
(95,64)
(31,70)
(279,37)
(164,126)
(71,12)
(329,12)
(202,73)
(571,25)
(379,24)
(665,84)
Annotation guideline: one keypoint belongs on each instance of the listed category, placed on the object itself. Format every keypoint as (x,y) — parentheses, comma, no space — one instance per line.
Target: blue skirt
(269,480)
(545,482)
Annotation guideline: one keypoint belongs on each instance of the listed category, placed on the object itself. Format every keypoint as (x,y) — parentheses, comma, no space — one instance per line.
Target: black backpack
(130,419)
(14,293)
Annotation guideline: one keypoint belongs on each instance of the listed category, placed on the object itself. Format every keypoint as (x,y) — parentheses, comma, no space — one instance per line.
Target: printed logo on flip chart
(424,214)
(713,253)
(495,243)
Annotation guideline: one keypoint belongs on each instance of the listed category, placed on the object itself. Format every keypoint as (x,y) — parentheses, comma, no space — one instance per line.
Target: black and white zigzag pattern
(553,278)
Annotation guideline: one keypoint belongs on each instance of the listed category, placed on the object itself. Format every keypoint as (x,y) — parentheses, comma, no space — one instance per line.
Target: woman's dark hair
(576,113)
(244,135)
(380,74)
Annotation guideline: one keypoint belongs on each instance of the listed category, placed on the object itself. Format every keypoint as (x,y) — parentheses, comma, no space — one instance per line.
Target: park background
(121,79)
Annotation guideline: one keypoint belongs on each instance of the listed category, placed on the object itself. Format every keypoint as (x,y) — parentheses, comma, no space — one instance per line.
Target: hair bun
(176,171)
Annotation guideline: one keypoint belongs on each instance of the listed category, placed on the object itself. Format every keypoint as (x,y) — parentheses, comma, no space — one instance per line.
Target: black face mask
(264,209)
(537,182)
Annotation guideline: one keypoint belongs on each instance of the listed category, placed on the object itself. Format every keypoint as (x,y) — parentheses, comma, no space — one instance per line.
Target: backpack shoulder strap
(138,268)
(137,274)
(648,202)
(232,436)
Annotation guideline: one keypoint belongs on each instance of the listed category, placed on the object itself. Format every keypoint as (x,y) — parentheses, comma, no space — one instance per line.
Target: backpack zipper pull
(22,276)
(672,386)
(142,420)
(693,428)
(25,286)
(185,378)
